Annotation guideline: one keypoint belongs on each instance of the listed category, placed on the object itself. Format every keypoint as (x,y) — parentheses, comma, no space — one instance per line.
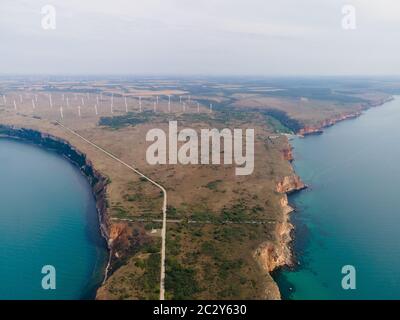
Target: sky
(207,37)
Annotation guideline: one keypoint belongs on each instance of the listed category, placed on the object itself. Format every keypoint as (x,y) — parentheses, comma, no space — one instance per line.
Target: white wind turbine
(61,113)
(126,106)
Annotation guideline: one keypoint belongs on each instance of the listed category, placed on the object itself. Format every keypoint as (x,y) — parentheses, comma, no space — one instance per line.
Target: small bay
(47,217)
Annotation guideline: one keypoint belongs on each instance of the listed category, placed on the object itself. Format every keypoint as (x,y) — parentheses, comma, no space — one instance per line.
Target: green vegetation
(284,119)
(180,281)
(213,185)
(150,281)
(119,212)
(130,119)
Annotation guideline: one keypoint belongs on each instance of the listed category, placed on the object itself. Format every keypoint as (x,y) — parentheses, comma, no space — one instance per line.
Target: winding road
(164,208)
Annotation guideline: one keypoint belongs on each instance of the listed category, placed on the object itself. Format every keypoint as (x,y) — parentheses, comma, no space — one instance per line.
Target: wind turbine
(95,109)
(51,102)
(67,102)
(33,104)
(126,106)
(83,102)
(79,111)
(61,113)
(15,105)
(20,98)
(211,106)
(169,103)
(155,106)
(140,104)
(198,107)
(4,99)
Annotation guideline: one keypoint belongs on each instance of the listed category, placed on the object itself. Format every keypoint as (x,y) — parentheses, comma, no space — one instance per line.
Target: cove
(47,217)
(350,214)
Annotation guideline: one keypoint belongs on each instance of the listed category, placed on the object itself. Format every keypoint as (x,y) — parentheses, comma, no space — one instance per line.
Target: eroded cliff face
(272,255)
(290,184)
(318,129)
(287,154)
(277,253)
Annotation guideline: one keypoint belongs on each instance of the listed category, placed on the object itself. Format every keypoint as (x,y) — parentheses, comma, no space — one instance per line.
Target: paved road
(164,208)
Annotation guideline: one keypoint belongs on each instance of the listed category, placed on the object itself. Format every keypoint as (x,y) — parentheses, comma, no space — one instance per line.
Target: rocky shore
(318,129)
(274,254)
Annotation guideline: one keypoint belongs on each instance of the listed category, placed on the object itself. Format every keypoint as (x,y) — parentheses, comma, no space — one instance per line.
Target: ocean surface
(47,217)
(350,215)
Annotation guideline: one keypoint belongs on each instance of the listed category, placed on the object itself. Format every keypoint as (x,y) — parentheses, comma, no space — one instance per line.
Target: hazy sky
(208,37)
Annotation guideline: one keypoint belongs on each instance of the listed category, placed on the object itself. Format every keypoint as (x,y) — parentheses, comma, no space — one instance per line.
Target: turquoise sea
(350,215)
(47,217)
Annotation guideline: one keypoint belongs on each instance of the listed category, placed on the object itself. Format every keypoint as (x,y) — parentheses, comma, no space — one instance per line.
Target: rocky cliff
(277,253)
(290,184)
(318,128)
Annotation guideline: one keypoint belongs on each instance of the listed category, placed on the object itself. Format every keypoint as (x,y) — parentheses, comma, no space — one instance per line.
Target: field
(219,224)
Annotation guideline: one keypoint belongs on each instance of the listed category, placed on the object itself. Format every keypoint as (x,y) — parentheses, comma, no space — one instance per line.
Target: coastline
(97,181)
(318,129)
(272,255)
(286,186)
